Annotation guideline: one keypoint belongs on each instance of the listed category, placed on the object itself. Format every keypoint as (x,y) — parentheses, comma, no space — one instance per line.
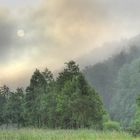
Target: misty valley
(69,70)
(105,97)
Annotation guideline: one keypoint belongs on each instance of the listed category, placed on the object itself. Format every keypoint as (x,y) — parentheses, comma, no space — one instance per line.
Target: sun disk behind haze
(20,33)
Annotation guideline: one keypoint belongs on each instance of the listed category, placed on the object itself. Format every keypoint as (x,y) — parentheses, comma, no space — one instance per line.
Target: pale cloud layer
(59,30)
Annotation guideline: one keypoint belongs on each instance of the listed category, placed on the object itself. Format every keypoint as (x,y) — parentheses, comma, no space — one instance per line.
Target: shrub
(136,128)
(111,126)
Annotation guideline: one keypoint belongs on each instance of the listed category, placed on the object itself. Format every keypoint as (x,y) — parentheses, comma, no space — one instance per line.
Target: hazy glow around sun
(20,33)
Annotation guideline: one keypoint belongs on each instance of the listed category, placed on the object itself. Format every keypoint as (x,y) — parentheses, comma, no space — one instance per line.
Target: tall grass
(34,134)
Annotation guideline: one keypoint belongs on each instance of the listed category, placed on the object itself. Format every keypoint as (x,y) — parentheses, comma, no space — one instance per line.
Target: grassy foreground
(33,134)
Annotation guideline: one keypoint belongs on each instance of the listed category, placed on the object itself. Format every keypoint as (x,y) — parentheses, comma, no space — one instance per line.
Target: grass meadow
(35,134)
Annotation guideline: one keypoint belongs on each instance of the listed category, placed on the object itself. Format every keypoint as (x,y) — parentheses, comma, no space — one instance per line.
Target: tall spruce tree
(78,105)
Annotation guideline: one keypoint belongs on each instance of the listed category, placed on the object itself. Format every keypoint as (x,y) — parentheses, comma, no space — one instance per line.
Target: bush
(136,128)
(111,126)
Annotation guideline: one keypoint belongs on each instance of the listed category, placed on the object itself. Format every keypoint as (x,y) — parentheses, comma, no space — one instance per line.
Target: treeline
(65,102)
(118,82)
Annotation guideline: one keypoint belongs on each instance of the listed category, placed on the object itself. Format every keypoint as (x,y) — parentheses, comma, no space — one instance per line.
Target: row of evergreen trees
(65,102)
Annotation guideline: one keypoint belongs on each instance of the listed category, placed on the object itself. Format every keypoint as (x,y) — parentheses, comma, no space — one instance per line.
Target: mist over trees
(117,81)
(67,102)
(126,91)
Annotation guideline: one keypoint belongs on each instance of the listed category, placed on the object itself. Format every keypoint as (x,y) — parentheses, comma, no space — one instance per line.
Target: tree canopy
(67,102)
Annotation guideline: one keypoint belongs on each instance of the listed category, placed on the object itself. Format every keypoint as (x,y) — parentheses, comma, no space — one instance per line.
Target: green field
(33,134)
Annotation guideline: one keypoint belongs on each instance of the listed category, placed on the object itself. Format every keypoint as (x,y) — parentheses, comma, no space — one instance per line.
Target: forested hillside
(117,80)
(123,103)
(68,101)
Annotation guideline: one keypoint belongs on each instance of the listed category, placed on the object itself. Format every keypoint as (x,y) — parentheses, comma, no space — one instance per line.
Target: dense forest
(69,101)
(117,79)
(65,102)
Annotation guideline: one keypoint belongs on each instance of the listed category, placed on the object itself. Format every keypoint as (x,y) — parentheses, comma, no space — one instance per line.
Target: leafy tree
(67,102)
(32,98)
(39,86)
(69,71)
(77,104)
(14,107)
(4,95)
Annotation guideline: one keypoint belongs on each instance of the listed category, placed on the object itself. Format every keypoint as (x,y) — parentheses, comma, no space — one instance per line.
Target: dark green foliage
(38,88)
(79,105)
(4,94)
(14,108)
(69,71)
(135,127)
(67,102)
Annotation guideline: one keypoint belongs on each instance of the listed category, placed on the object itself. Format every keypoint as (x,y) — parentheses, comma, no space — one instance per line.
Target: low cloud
(7,30)
(63,30)
(57,31)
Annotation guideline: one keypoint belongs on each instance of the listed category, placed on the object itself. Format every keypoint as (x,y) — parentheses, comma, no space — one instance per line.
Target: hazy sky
(18,3)
(47,33)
